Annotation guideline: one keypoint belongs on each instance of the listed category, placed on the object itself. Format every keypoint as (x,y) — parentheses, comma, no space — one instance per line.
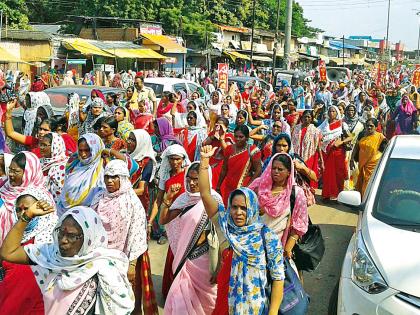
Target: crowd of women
(227,182)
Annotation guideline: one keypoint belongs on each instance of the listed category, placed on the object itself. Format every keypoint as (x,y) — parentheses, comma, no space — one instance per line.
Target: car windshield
(156,87)
(398,198)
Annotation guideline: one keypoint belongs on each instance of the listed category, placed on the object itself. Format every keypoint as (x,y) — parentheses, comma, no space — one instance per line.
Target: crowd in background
(225,177)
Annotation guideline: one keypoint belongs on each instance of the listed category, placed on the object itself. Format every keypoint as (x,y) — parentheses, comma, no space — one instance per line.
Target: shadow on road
(320,283)
(336,205)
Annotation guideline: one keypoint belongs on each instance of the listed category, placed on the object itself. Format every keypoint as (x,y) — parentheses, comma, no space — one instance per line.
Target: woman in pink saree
(187,226)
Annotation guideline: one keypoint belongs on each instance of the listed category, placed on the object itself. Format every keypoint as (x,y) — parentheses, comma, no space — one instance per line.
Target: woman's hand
(288,252)
(338,143)
(39,208)
(264,127)
(173,191)
(11,105)
(207,151)
(131,274)
(106,153)
(298,165)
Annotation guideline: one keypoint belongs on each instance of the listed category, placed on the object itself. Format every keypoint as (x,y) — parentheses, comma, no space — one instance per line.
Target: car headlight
(364,272)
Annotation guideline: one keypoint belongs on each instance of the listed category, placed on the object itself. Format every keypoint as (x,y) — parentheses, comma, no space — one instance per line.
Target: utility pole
(288,32)
(1,22)
(276,42)
(418,41)
(387,32)
(252,31)
(343,52)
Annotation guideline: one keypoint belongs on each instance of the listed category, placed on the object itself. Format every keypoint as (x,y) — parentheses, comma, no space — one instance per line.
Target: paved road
(337,224)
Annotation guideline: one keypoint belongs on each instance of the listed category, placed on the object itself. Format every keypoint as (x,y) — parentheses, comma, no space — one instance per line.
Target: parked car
(160,85)
(58,97)
(243,81)
(381,269)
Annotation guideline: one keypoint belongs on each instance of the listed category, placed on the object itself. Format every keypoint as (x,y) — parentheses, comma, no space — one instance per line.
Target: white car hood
(396,253)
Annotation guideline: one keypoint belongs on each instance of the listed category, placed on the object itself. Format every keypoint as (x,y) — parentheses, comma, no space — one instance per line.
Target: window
(192,87)
(233,37)
(179,87)
(157,88)
(398,197)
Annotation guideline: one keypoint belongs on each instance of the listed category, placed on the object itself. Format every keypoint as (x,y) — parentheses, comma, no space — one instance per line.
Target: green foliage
(192,19)
(16,13)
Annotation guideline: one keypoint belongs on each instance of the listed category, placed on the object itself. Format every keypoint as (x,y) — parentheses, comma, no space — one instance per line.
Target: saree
(191,291)
(239,165)
(192,139)
(55,167)
(369,156)
(125,127)
(94,261)
(306,142)
(84,178)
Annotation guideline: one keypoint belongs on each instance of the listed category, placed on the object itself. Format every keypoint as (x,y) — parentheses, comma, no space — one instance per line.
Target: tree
(16,13)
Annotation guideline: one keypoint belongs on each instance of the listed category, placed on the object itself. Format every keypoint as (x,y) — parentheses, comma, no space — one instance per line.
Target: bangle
(166,204)
(8,116)
(25,218)
(204,167)
(294,238)
(149,224)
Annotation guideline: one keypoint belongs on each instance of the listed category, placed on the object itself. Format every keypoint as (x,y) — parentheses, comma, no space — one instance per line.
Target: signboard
(381,77)
(76,61)
(109,68)
(98,67)
(322,70)
(223,74)
(416,78)
(148,28)
(171,60)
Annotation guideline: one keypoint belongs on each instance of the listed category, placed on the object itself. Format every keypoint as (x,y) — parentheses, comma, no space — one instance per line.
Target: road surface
(337,224)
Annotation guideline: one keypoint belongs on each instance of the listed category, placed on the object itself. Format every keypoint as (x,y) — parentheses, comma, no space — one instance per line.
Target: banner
(416,78)
(223,73)
(381,77)
(322,70)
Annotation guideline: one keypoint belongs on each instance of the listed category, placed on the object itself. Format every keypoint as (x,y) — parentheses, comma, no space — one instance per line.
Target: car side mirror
(350,198)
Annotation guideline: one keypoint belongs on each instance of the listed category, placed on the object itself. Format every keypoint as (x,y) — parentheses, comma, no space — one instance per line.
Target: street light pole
(276,41)
(387,31)
(252,31)
(288,32)
(343,52)
(418,41)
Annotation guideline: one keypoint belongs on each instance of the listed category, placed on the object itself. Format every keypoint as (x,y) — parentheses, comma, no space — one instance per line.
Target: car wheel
(332,305)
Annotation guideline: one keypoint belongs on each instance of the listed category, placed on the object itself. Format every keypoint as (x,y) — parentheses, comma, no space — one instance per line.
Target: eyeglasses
(69,236)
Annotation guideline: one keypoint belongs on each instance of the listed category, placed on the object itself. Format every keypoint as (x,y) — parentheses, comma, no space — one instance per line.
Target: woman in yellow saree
(368,152)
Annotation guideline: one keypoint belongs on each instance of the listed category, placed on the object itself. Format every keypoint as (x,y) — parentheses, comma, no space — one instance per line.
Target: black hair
(192,102)
(131,87)
(98,123)
(292,101)
(287,162)
(194,167)
(281,136)
(243,129)
(373,120)
(225,105)
(139,77)
(81,140)
(48,136)
(18,199)
(233,194)
(20,160)
(310,112)
(111,122)
(61,124)
(383,145)
(114,97)
(224,120)
(193,113)
(122,109)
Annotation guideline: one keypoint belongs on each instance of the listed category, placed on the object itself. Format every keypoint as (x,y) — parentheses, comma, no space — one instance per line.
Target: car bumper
(354,301)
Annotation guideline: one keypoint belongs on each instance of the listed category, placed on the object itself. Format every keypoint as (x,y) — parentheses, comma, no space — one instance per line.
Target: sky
(365,17)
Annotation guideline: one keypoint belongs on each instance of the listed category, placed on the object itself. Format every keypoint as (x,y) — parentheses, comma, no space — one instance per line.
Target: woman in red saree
(171,172)
(306,140)
(193,136)
(218,138)
(241,164)
(334,136)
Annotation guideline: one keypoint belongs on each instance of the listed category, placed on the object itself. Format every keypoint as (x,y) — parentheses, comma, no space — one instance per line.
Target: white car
(160,85)
(381,269)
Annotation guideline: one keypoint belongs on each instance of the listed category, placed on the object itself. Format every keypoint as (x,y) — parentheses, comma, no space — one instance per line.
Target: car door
(180,86)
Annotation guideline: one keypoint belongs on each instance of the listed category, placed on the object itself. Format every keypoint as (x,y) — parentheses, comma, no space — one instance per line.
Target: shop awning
(262,58)
(234,55)
(135,53)
(84,47)
(167,43)
(5,56)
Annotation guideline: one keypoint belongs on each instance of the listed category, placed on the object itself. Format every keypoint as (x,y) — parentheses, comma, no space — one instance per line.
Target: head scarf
(40,228)
(383,106)
(351,122)
(122,213)
(83,177)
(144,148)
(215,107)
(166,133)
(32,177)
(38,99)
(55,165)
(285,136)
(124,127)
(98,94)
(188,198)
(87,125)
(327,134)
(115,295)
(73,109)
(409,107)
(165,167)
(274,206)
(116,81)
